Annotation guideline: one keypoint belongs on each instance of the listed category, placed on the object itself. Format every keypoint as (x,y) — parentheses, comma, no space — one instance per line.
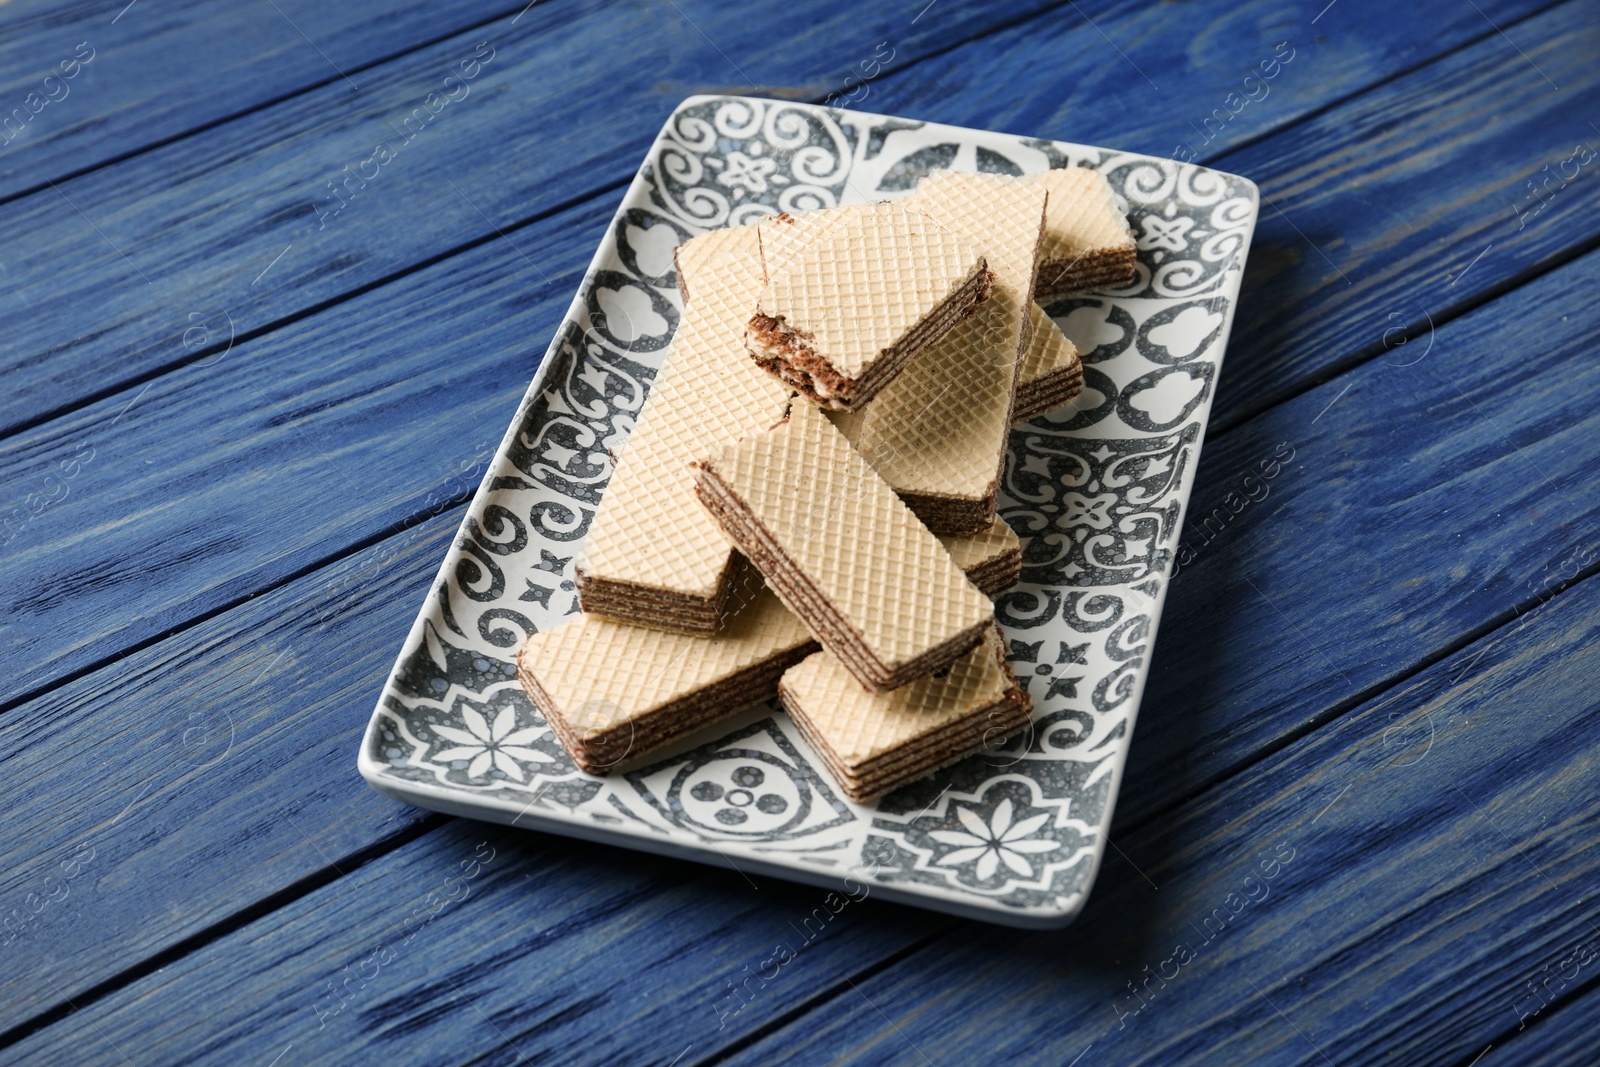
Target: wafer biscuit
(991,560)
(614,692)
(652,555)
(938,432)
(842,551)
(784,236)
(839,320)
(1051,372)
(874,742)
(694,258)
(1087,242)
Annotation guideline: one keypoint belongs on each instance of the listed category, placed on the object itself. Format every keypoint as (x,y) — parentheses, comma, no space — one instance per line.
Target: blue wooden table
(242,414)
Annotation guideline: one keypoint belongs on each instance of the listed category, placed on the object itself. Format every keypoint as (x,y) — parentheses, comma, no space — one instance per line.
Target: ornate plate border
(1096,490)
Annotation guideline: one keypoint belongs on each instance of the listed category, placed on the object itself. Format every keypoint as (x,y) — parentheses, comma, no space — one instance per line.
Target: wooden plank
(1211,700)
(34,463)
(484,941)
(1091,88)
(1411,506)
(1169,631)
(1452,205)
(1554,1013)
(113,87)
(296,689)
(170,234)
(1376,207)
(155,797)
(1378,892)
(197,228)
(1453,454)
(172,499)
(1404,868)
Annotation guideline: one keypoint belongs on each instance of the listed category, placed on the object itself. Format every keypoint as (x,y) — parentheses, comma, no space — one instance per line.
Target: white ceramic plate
(1096,490)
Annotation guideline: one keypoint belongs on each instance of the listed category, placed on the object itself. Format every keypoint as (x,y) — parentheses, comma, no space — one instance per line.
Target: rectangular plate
(1096,490)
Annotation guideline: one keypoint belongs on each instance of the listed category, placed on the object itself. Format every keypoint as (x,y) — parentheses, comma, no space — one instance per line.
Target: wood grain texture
(219,479)
(1424,504)
(1421,504)
(167,236)
(1438,209)
(36,456)
(191,234)
(1375,893)
(324,409)
(1265,581)
(1376,207)
(1468,465)
(1388,858)
(160,71)
(1153,79)
(157,796)
(486,944)
(1555,1012)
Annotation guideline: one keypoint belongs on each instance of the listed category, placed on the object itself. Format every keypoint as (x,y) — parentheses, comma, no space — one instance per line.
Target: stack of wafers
(807,508)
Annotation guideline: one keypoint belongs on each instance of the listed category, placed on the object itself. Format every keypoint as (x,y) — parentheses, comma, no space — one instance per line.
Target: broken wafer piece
(991,560)
(1051,372)
(938,432)
(653,556)
(875,742)
(842,551)
(840,320)
(1087,241)
(613,692)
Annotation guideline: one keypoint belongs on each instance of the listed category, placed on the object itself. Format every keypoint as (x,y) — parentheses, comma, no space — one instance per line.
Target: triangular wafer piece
(1051,372)
(842,551)
(1087,242)
(842,318)
(875,742)
(653,556)
(614,692)
(991,560)
(938,432)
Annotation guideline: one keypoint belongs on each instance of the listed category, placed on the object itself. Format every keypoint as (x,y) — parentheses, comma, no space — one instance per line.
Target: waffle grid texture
(694,258)
(614,691)
(1087,242)
(652,554)
(840,318)
(938,432)
(1051,372)
(875,742)
(870,581)
(782,237)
